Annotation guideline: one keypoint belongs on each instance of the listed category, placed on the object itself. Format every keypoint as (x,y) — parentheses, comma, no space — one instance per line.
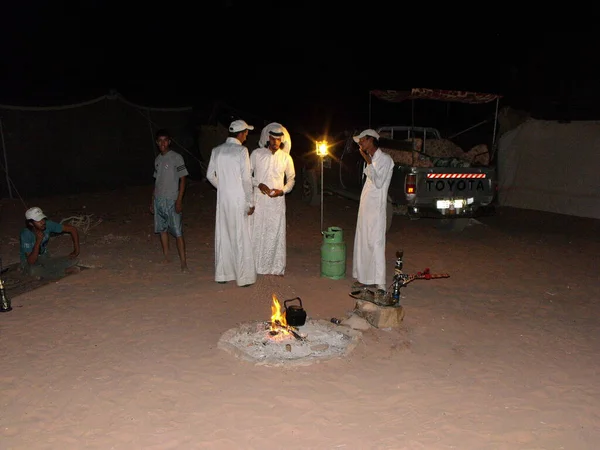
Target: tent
(101,144)
(551,166)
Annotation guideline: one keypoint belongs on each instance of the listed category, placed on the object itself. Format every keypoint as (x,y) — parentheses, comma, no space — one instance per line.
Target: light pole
(322,152)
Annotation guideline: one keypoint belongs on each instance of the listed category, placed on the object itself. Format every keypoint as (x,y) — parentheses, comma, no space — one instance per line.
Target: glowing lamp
(322,148)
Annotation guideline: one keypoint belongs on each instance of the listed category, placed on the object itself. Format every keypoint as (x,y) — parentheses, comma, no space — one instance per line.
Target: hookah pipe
(5,305)
(402,279)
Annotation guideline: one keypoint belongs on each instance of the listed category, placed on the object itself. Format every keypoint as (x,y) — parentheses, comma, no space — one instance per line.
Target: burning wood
(276,328)
(277,318)
(278,323)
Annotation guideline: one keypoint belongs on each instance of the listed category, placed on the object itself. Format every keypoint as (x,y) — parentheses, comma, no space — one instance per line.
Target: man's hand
(178,206)
(276,193)
(39,235)
(251,211)
(264,189)
(365,156)
(67,228)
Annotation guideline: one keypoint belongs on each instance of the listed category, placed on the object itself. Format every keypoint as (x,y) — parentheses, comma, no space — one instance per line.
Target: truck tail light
(410,185)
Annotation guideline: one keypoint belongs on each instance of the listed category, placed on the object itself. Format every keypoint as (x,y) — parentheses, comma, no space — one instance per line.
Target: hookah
(5,305)
(400,278)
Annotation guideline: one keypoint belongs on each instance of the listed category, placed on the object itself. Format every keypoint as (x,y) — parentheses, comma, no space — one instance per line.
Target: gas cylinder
(333,254)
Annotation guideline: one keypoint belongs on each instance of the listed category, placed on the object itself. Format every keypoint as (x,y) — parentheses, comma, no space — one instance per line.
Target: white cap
(238,126)
(34,213)
(367,132)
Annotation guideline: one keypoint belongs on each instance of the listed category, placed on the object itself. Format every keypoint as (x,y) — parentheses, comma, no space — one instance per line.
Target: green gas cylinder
(333,254)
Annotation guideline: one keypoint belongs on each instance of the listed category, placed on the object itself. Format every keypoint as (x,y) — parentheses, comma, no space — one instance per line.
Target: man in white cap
(35,258)
(368,262)
(229,171)
(273,176)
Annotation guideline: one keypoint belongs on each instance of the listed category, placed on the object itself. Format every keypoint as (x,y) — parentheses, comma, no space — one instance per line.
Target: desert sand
(501,355)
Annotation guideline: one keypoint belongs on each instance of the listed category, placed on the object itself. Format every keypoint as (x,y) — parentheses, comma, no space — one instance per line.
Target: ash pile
(270,344)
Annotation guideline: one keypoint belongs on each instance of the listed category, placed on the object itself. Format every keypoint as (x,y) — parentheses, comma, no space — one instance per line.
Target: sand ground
(501,355)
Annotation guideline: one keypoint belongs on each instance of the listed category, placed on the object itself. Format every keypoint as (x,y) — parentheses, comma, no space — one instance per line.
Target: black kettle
(295,315)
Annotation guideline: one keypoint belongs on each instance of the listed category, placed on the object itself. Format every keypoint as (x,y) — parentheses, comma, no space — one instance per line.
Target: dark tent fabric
(101,144)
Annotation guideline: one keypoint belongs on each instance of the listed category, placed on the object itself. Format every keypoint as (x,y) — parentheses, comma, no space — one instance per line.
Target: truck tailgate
(456,182)
(434,187)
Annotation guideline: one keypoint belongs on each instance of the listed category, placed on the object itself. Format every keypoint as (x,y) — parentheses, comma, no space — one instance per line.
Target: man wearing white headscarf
(273,177)
(230,172)
(368,261)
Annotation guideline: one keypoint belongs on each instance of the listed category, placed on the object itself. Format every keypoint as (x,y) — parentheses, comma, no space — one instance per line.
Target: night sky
(296,65)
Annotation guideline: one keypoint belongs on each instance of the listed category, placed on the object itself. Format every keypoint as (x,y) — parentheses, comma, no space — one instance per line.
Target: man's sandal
(363,294)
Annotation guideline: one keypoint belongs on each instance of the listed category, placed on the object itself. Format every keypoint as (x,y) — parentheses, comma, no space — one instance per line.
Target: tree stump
(380,316)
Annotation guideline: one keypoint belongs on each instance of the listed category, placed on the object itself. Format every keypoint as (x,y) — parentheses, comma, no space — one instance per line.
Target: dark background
(299,61)
(301,64)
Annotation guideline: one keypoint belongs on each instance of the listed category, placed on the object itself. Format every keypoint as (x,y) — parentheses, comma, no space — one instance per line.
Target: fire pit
(275,343)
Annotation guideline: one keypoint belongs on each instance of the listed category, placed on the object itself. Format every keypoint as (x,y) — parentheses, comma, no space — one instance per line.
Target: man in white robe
(229,171)
(273,177)
(368,263)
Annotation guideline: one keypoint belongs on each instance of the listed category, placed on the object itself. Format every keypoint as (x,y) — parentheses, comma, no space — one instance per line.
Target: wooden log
(290,329)
(380,316)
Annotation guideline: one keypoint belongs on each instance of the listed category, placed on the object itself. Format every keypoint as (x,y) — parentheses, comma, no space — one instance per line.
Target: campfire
(276,342)
(278,326)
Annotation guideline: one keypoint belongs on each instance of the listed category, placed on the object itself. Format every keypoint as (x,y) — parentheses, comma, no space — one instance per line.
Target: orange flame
(277,317)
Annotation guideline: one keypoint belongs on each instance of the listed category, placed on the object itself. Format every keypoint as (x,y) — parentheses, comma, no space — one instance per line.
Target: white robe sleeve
(211,174)
(290,175)
(246,172)
(253,157)
(378,170)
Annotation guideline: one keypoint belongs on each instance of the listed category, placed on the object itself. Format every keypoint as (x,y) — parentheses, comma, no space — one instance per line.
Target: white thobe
(229,171)
(268,222)
(368,261)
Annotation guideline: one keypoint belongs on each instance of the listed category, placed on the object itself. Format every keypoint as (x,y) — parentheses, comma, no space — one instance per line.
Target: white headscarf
(285,139)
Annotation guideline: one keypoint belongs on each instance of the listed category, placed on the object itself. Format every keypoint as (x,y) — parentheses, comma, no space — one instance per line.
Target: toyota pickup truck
(448,189)
(432,176)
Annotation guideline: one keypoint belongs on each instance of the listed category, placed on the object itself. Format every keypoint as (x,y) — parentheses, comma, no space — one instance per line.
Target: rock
(380,316)
(356,323)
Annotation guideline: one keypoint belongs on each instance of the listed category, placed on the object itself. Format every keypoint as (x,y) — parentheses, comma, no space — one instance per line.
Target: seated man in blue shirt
(35,258)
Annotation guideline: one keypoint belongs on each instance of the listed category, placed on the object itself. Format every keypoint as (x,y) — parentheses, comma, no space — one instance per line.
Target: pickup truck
(449,190)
